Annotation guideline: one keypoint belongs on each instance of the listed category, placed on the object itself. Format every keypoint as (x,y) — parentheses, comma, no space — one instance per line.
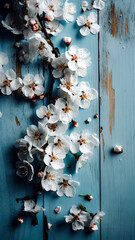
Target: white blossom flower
(37,44)
(89,24)
(54,157)
(24,150)
(33,85)
(49,114)
(54,27)
(59,64)
(66,186)
(9,82)
(53,7)
(68,110)
(83,142)
(77,218)
(25,169)
(37,136)
(99,4)
(68,83)
(61,142)
(50,179)
(95,220)
(32,207)
(57,209)
(84,94)
(82,160)
(79,60)
(69,9)
(3,60)
(35,7)
(55,129)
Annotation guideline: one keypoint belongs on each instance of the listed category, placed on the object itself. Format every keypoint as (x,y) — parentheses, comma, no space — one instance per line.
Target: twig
(47,36)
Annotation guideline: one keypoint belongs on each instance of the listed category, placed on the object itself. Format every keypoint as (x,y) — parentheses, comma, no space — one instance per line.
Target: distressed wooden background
(108,177)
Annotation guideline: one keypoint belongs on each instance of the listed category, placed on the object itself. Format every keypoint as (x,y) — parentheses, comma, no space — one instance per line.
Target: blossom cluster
(80,218)
(46,145)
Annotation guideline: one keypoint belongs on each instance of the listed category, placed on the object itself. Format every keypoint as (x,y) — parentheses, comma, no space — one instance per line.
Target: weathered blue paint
(117,64)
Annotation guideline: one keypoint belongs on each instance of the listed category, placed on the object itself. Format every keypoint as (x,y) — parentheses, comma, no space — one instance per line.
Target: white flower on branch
(66,186)
(78,60)
(59,64)
(93,223)
(99,4)
(10,24)
(9,82)
(24,150)
(25,169)
(33,85)
(68,83)
(84,142)
(78,218)
(69,9)
(35,7)
(68,110)
(50,179)
(32,207)
(89,24)
(84,94)
(61,142)
(37,136)
(55,129)
(49,114)
(54,157)
(53,28)
(53,7)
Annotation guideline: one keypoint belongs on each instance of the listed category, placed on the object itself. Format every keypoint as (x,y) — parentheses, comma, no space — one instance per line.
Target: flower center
(53,127)
(66,109)
(32,86)
(84,95)
(65,183)
(51,7)
(7,82)
(74,58)
(37,135)
(53,158)
(81,141)
(68,85)
(61,67)
(48,114)
(88,24)
(59,143)
(76,217)
(49,176)
(41,46)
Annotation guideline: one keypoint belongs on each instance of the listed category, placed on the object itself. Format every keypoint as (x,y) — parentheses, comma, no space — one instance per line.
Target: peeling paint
(107,84)
(114,28)
(103,147)
(126,26)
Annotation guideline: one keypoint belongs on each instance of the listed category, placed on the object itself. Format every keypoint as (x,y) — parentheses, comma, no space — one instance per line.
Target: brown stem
(47,35)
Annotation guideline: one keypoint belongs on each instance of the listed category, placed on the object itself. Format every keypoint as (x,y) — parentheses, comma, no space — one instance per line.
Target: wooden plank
(12,187)
(89,175)
(117,57)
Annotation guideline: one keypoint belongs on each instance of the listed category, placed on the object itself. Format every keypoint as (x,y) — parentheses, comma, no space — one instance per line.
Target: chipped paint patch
(126,26)
(103,147)
(114,28)
(107,84)
(17,121)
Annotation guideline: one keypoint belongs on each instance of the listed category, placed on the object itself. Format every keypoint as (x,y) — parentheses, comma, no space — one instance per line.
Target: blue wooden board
(108,177)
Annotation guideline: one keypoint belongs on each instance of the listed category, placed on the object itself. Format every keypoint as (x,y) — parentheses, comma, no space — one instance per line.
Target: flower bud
(32,21)
(49,17)
(118,149)
(35,27)
(57,209)
(67,41)
(88,197)
(96,116)
(94,227)
(42,96)
(20,220)
(40,174)
(75,124)
(84,9)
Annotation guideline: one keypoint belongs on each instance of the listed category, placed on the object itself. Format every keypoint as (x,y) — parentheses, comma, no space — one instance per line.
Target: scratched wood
(117,117)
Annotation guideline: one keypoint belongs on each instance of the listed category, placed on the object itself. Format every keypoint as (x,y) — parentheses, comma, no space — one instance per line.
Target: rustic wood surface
(108,177)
